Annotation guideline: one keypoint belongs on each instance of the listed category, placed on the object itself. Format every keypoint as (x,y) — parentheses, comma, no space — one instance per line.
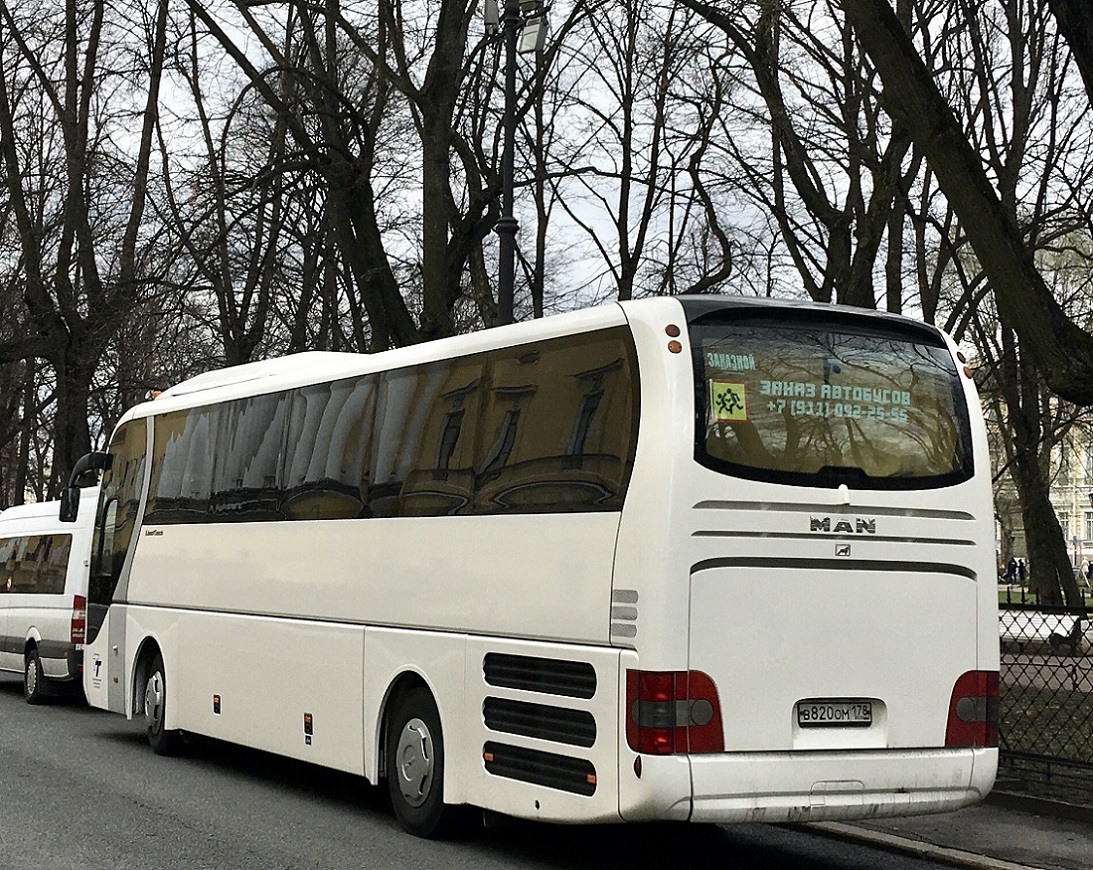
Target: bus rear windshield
(824,404)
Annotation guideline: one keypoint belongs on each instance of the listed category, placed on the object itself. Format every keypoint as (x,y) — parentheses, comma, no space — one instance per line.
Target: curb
(1041,806)
(913,848)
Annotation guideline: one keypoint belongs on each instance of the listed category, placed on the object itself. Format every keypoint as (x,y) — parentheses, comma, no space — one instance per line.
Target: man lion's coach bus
(711,559)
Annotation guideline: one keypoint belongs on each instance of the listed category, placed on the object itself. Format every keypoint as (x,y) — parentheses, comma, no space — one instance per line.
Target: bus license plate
(834,713)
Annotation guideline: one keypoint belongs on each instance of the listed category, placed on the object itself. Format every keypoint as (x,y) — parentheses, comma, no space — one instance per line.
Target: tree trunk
(1075,20)
(72,436)
(1051,576)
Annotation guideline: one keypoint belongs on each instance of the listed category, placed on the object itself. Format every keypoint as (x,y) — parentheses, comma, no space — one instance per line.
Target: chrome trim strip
(814,507)
(820,536)
(837,565)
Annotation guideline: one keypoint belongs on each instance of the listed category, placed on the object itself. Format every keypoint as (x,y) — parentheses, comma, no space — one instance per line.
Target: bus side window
(247,455)
(559,426)
(181,484)
(425,436)
(328,450)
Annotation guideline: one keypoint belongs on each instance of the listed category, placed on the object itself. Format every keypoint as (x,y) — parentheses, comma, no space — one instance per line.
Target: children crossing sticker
(729,402)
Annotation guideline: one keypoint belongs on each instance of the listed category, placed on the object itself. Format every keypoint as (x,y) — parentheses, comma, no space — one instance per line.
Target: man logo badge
(842,549)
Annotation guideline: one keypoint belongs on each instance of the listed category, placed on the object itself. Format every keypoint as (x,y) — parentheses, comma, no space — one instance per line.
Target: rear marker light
(672,713)
(973,711)
(78,626)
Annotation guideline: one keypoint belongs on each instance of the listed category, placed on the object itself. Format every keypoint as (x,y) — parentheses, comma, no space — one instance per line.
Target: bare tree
(1063,351)
(80,276)
(833,180)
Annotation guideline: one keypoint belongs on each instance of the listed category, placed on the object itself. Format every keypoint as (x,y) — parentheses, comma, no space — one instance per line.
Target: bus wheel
(33,681)
(415,766)
(162,741)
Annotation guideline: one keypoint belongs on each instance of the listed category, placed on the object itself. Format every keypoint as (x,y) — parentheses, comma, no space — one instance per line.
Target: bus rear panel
(825,643)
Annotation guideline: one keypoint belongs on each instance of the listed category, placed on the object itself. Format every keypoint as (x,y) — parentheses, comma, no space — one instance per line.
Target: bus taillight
(973,711)
(672,712)
(79,619)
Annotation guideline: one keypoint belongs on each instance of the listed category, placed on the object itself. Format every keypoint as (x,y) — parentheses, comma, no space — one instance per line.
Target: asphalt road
(80,790)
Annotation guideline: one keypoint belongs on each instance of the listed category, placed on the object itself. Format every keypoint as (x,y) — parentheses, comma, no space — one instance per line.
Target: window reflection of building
(34,564)
(586,413)
(328,450)
(497,456)
(550,427)
(561,426)
(248,453)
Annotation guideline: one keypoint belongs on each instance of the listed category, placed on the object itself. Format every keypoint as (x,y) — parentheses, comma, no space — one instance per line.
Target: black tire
(162,740)
(34,684)
(415,766)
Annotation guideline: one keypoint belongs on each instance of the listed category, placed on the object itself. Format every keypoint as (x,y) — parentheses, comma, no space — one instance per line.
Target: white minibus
(704,559)
(43,595)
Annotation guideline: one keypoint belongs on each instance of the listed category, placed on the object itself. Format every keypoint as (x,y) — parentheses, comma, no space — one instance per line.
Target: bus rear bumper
(830,786)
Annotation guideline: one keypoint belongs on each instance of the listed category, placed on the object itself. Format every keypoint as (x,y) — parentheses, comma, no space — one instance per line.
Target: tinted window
(544,427)
(118,513)
(822,404)
(181,486)
(327,458)
(560,425)
(425,439)
(248,453)
(34,564)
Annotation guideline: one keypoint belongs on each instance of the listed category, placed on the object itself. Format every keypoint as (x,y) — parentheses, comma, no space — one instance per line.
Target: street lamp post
(523,26)
(507,223)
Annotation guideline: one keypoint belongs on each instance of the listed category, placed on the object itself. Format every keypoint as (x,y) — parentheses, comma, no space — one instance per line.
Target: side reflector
(973,711)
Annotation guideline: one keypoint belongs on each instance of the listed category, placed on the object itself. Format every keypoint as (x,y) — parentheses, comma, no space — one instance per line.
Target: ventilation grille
(561,772)
(548,676)
(557,724)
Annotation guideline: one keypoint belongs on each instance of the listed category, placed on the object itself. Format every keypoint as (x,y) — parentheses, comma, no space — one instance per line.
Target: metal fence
(1046,698)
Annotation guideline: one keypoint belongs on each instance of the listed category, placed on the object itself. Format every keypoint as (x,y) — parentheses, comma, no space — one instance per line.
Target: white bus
(43,595)
(711,559)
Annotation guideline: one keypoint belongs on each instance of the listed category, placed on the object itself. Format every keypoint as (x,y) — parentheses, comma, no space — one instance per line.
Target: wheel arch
(399,686)
(33,638)
(147,651)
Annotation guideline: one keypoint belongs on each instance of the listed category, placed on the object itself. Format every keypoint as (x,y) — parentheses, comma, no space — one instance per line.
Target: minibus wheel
(33,681)
(415,765)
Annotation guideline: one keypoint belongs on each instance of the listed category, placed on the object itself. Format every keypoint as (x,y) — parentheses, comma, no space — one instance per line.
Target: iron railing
(1046,698)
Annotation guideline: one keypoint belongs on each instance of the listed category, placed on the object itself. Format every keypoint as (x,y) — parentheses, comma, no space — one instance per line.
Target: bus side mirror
(70,499)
